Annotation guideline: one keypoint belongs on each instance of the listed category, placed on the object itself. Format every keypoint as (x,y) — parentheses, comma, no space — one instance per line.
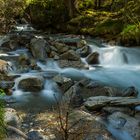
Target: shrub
(131,33)
(9,9)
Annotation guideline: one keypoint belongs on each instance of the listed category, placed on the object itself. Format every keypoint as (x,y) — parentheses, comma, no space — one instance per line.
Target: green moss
(109,26)
(2,123)
(131,32)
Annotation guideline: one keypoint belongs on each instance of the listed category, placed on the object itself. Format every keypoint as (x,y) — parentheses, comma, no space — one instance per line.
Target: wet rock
(84,51)
(53,48)
(73,97)
(70,55)
(33,64)
(73,64)
(53,54)
(93,58)
(56,57)
(60,47)
(130,91)
(15,42)
(24,59)
(32,84)
(94,103)
(125,123)
(12,118)
(81,44)
(63,82)
(60,79)
(38,48)
(10,45)
(88,88)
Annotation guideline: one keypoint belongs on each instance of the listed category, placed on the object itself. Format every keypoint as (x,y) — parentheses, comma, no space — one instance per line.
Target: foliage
(2,93)
(2,123)
(8,11)
(49,13)
(131,33)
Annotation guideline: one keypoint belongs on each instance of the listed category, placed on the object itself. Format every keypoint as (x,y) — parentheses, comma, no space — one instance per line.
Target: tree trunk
(70,5)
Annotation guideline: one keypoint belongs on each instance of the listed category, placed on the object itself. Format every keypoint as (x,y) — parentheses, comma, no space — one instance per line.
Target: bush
(46,13)
(9,9)
(131,33)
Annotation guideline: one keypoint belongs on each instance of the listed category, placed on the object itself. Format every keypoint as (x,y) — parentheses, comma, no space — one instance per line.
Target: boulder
(24,59)
(73,64)
(130,91)
(5,66)
(84,51)
(16,42)
(81,43)
(32,84)
(73,97)
(12,118)
(88,88)
(63,82)
(61,48)
(93,58)
(128,125)
(70,55)
(94,103)
(89,125)
(38,48)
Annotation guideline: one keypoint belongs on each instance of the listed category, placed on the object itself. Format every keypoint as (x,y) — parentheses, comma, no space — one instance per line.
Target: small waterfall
(49,65)
(45,98)
(111,56)
(115,56)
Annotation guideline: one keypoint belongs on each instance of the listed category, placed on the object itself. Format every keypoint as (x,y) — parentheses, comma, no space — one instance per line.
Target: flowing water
(119,67)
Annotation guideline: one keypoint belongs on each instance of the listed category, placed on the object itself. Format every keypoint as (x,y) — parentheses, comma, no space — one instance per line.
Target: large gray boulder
(94,103)
(12,118)
(38,48)
(70,55)
(32,84)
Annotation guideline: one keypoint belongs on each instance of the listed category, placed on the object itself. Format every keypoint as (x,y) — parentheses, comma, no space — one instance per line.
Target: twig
(17,131)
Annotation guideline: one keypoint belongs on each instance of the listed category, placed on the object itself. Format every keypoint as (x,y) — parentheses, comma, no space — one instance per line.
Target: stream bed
(118,67)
